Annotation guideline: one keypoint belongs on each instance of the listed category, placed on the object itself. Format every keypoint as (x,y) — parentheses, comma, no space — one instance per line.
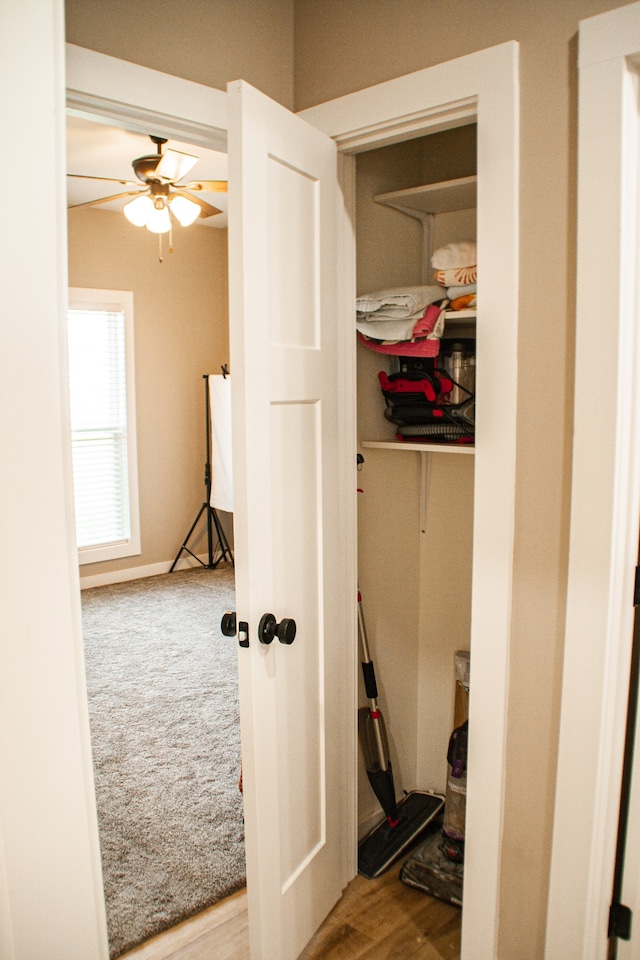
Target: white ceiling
(98,150)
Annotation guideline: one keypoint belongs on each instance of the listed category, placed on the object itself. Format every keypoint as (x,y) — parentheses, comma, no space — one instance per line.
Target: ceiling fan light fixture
(159,220)
(174,165)
(138,210)
(184,210)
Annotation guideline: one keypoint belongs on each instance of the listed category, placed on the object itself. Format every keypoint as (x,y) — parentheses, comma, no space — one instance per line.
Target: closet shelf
(420,447)
(425,202)
(443,197)
(451,316)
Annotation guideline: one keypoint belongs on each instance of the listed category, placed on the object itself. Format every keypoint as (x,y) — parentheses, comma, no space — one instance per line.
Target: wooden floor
(381,919)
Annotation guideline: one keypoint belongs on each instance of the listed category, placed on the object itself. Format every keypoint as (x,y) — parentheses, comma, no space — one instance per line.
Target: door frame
(606,474)
(482,86)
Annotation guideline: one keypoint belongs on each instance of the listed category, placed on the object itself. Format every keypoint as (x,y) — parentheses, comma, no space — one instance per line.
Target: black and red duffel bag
(417,402)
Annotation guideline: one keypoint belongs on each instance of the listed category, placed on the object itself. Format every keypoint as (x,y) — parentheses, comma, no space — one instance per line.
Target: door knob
(269,628)
(228,625)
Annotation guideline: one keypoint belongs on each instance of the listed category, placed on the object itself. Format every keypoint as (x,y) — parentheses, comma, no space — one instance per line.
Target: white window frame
(119,301)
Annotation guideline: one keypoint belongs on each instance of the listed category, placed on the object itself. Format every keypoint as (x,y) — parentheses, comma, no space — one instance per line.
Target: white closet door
(283,205)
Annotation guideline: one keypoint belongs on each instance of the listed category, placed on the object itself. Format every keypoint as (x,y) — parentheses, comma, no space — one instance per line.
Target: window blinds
(97,382)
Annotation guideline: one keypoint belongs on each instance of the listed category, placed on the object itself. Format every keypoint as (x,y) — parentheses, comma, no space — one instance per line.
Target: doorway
(482,85)
(415,508)
(142,761)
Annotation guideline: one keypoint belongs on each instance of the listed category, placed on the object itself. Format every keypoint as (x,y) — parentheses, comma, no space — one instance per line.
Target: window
(103,436)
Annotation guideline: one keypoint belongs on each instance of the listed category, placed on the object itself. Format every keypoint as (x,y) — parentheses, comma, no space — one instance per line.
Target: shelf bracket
(425,481)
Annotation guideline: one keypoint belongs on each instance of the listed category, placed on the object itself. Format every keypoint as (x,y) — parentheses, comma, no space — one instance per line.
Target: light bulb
(184,210)
(174,165)
(159,220)
(138,210)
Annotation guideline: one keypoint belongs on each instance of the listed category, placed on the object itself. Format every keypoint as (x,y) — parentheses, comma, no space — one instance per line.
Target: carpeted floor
(163,705)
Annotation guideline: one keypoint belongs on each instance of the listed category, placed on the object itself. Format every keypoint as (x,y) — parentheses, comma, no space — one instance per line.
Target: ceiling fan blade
(83,176)
(115,196)
(208,186)
(174,165)
(206,210)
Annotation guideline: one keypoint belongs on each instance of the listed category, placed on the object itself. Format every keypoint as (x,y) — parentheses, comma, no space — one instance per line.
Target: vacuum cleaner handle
(375,717)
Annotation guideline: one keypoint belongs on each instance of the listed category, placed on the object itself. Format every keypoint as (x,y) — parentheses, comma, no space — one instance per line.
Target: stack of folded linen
(402,320)
(457,273)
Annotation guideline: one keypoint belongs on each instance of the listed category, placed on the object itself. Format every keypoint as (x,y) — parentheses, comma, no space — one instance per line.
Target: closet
(415,508)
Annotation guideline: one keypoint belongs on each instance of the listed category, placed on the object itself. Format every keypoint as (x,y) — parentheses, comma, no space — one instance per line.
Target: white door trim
(141,100)
(482,86)
(50,876)
(605,501)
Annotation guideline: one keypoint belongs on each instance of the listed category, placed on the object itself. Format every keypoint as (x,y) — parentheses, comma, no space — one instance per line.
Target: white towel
(454,292)
(400,303)
(453,255)
(388,328)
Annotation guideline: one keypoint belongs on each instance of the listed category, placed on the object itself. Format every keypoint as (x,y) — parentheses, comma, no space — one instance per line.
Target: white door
(290,556)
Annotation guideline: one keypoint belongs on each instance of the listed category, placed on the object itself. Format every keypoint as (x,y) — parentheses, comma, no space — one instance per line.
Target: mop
(405,819)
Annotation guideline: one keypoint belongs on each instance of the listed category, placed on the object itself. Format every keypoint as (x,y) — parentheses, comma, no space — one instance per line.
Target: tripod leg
(186,539)
(223,543)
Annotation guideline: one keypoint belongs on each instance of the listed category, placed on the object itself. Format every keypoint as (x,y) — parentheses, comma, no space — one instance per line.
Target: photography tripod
(218,549)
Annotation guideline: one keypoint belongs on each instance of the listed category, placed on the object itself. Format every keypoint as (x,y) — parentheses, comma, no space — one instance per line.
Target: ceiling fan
(163,196)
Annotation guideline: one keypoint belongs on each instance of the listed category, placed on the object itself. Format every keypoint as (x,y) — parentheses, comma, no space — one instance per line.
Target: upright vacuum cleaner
(405,819)
(436,866)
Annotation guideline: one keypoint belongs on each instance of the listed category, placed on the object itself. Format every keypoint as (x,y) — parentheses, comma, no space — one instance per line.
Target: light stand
(220,550)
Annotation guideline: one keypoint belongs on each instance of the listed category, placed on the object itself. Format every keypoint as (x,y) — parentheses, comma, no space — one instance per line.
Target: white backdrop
(221,467)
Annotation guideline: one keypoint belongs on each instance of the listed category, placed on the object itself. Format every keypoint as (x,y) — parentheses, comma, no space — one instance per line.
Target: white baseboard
(368,822)
(136,573)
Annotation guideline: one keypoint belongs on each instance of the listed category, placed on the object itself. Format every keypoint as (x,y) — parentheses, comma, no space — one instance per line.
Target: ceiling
(97,150)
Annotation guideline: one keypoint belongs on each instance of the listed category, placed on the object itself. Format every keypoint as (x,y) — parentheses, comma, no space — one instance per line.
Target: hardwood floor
(381,919)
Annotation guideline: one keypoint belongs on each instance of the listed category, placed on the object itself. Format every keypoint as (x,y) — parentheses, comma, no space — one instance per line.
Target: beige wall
(181,332)
(207,42)
(345,45)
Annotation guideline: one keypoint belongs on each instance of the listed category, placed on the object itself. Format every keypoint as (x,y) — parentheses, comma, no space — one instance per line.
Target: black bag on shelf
(417,402)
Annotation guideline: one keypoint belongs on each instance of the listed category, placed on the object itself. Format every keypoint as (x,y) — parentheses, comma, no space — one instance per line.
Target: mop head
(385,844)
(430,870)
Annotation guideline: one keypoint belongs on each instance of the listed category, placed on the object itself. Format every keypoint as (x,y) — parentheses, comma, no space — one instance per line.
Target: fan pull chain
(171,238)
(160,247)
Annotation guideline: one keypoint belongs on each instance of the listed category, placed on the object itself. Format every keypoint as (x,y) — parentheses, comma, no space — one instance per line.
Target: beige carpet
(163,705)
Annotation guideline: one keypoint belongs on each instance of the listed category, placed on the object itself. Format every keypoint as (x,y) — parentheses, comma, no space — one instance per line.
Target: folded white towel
(454,292)
(397,302)
(452,255)
(387,328)
(395,331)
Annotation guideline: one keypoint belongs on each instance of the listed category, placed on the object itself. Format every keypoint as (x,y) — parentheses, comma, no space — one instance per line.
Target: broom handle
(371,687)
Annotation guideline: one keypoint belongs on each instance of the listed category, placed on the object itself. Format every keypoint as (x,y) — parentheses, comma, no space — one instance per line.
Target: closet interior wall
(414,524)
